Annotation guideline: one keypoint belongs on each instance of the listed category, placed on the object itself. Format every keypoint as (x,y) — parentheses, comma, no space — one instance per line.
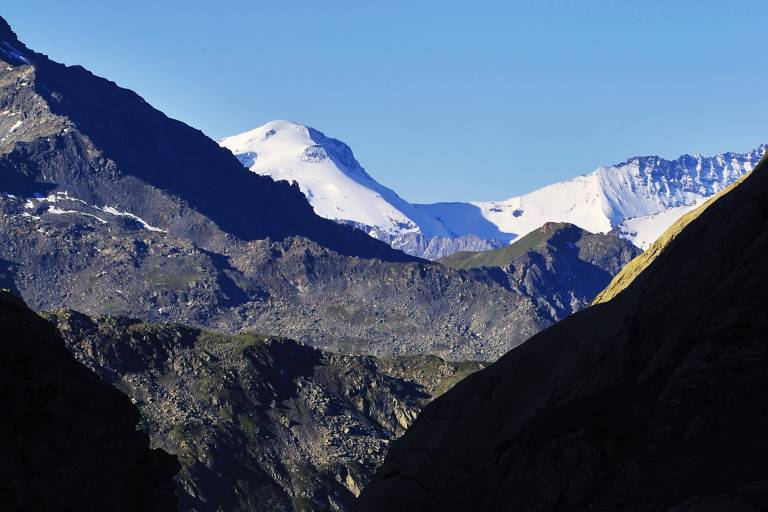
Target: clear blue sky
(440,100)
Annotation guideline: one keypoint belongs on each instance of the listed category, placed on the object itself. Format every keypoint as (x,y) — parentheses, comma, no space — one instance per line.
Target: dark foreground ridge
(653,400)
(259,423)
(69,440)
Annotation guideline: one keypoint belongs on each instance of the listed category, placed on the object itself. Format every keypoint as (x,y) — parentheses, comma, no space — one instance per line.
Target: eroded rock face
(258,422)
(652,400)
(69,440)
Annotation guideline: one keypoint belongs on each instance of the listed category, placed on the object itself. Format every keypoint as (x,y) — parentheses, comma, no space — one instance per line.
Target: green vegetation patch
(503,256)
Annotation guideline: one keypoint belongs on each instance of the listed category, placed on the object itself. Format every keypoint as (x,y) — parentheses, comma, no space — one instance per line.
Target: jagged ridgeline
(69,440)
(652,399)
(110,207)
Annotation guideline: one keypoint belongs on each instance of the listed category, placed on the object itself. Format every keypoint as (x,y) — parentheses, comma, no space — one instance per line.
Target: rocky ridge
(259,422)
(110,207)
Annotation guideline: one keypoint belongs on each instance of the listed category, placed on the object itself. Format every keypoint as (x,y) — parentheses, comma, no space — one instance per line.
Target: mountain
(637,199)
(339,188)
(258,422)
(651,399)
(327,172)
(108,207)
(69,440)
(68,131)
(561,267)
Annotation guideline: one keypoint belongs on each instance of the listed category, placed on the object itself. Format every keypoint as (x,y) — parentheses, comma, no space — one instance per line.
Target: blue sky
(440,100)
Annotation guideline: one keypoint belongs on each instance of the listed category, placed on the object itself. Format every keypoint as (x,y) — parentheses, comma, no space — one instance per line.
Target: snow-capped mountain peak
(335,183)
(636,199)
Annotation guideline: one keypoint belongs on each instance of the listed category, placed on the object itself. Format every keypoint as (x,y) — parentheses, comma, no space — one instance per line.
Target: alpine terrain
(108,207)
(258,422)
(339,188)
(651,399)
(636,199)
(257,324)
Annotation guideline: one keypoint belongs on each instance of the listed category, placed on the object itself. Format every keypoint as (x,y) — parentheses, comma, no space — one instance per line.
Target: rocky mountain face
(559,266)
(109,207)
(259,423)
(69,440)
(651,399)
(60,253)
(65,129)
(434,247)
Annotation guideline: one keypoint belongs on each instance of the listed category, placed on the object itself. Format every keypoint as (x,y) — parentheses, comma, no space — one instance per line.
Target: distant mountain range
(636,199)
(310,346)
(107,206)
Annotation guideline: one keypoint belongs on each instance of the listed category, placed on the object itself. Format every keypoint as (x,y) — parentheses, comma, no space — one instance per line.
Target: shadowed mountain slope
(109,207)
(68,129)
(653,400)
(69,441)
(259,423)
(559,266)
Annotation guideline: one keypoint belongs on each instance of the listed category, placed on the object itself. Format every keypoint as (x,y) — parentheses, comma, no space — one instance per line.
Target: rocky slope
(559,266)
(259,423)
(69,440)
(109,207)
(97,263)
(652,399)
(64,129)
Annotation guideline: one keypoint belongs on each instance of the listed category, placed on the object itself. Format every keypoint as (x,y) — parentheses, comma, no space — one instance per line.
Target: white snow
(114,211)
(61,196)
(643,231)
(15,126)
(58,211)
(651,191)
(638,198)
(335,184)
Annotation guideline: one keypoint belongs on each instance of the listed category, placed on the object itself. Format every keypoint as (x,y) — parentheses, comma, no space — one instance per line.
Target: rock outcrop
(259,423)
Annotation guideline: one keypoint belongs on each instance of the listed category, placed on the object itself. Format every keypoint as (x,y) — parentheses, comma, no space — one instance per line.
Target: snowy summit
(334,182)
(636,199)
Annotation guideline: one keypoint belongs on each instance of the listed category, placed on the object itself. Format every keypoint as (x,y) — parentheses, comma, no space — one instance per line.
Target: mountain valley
(653,403)
(257,324)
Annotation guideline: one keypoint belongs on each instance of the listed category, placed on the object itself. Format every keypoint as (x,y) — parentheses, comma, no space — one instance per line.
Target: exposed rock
(652,399)
(431,247)
(110,207)
(561,267)
(260,423)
